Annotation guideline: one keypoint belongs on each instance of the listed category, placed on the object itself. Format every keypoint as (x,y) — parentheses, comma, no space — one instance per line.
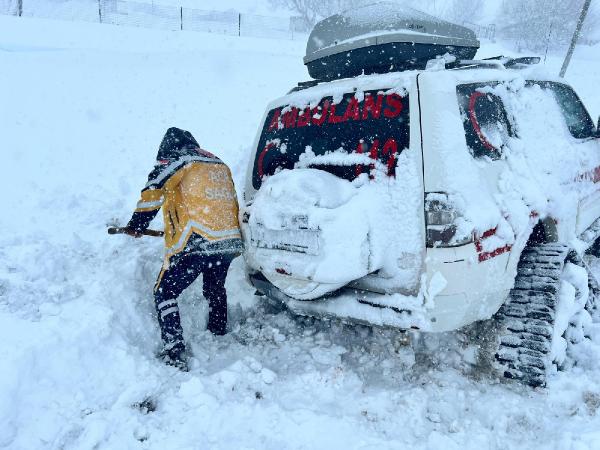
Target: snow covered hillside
(82,110)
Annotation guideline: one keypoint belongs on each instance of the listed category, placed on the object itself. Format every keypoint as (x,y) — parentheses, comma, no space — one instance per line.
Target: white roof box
(380,38)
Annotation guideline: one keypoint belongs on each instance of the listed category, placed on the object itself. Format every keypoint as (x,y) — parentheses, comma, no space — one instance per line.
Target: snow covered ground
(82,110)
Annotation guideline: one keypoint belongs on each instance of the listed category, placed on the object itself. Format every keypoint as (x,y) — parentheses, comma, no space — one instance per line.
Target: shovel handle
(125,230)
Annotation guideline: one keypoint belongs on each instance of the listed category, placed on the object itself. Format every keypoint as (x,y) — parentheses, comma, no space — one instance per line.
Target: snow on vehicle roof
(400,82)
(497,74)
(394,81)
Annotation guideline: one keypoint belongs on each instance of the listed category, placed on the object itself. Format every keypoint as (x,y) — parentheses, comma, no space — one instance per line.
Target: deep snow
(83,108)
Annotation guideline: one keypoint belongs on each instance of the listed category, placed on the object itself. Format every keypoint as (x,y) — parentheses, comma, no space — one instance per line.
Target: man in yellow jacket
(200,210)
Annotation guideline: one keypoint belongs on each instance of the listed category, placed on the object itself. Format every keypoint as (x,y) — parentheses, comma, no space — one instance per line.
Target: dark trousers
(182,271)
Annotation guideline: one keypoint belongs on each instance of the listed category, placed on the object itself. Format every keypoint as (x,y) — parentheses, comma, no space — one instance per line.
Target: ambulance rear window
(374,125)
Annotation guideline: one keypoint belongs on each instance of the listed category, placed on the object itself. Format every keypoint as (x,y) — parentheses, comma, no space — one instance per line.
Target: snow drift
(83,109)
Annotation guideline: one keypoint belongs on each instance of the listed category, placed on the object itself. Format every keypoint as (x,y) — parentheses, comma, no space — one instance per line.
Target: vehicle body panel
(464,283)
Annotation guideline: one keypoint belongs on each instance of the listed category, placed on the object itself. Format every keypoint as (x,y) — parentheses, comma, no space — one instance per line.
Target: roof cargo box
(382,37)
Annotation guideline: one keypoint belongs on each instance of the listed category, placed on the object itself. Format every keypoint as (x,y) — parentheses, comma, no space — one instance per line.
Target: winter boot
(174,354)
(217,326)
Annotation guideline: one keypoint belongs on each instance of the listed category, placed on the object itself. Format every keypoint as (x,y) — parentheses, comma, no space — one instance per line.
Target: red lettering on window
(372,106)
(373,155)
(360,149)
(321,112)
(332,117)
(304,118)
(390,149)
(389,152)
(394,106)
(290,117)
(352,110)
(274,125)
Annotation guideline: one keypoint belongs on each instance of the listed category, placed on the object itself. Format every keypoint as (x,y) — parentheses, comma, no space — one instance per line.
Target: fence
(151,15)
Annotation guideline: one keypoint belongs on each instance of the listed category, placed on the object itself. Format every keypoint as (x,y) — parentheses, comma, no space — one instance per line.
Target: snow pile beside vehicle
(571,316)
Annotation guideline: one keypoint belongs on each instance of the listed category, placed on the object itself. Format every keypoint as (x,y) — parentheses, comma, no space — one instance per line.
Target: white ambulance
(409,185)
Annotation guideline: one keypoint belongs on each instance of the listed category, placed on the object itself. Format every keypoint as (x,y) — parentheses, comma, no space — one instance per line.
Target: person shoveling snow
(196,192)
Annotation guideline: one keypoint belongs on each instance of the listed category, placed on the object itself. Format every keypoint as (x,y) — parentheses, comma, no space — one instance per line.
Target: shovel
(129,231)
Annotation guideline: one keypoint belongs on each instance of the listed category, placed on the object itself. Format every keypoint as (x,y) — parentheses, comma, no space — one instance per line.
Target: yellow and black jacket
(196,192)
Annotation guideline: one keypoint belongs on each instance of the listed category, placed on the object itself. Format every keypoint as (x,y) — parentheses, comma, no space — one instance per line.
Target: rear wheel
(592,264)
(594,250)
(546,314)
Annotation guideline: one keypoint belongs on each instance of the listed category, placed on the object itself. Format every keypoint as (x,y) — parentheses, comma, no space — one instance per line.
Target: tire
(594,249)
(546,315)
(593,306)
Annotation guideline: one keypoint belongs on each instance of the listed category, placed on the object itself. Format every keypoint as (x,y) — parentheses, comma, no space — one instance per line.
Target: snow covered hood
(382,23)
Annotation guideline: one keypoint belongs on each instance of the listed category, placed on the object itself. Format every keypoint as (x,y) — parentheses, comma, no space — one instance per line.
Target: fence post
(100,11)
(239,24)
(19,8)
(548,40)
(181,17)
